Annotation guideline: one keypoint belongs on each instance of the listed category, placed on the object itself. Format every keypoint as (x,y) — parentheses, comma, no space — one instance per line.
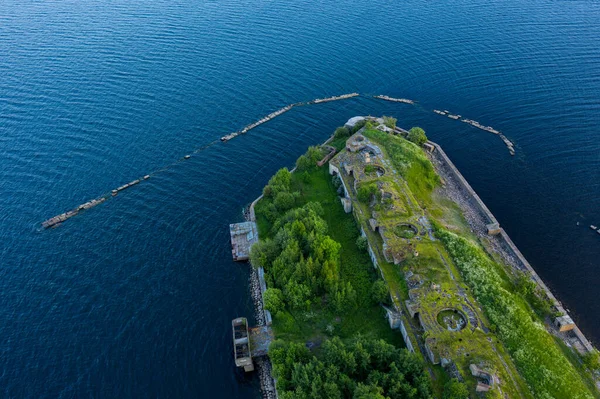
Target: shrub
(341,132)
(366,192)
(359,125)
(592,360)
(455,389)
(362,243)
(390,122)
(380,292)
(417,136)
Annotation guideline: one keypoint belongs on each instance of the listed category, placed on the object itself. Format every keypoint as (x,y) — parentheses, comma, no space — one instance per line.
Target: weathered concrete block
(347,203)
(493,229)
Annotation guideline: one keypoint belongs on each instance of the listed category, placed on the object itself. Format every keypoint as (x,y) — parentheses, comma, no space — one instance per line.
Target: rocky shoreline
(263,363)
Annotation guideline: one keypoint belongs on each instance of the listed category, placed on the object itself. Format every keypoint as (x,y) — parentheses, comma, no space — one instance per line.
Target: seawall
(504,245)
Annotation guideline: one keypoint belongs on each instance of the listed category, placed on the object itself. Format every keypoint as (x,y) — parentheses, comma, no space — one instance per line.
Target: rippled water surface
(135,298)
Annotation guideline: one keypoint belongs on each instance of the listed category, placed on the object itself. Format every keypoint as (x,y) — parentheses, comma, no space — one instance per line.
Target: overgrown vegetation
(390,122)
(361,368)
(455,389)
(322,284)
(539,360)
(410,161)
(417,136)
(366,192)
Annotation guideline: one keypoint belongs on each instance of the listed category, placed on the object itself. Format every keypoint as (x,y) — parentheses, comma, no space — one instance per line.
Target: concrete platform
(243,236)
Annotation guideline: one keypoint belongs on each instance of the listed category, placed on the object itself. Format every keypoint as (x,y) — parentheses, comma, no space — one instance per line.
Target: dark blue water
(135,298)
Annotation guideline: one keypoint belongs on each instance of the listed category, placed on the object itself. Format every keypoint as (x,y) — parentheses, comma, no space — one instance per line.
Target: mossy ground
(411,186)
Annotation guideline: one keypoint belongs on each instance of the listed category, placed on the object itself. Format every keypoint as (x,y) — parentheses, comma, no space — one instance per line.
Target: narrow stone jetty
(396,100)
(509,144)
(480,126)
(266,118)
(275,114)
(334,98)
(57,220)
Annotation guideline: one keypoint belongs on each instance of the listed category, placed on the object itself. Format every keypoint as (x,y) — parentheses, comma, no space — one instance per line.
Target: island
(379,273)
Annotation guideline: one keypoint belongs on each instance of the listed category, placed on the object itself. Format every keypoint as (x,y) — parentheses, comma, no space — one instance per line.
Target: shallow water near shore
(135,297)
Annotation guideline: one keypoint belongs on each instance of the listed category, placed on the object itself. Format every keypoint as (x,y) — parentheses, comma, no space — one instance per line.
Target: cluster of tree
(538,358)
(302,262)
(417,136)
(454,389)
(362,369)
(278,194)
(309,160)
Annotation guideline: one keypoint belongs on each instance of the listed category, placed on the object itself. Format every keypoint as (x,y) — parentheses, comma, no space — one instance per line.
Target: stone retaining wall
(507,243)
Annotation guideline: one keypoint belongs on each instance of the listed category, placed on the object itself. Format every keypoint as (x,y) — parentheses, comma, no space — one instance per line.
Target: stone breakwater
(478,216)
(509,144)
(395,100)
(59,219)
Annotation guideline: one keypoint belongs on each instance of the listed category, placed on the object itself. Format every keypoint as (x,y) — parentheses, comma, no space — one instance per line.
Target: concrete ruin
(564,323)
(241,344)
(493,229)
(249,343)
(485,379)
(243,236)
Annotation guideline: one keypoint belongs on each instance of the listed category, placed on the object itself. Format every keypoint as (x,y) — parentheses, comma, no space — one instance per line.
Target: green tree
(380,292)
(362,243)
(284,201)
(273,298)
(417,136)
(368,392)
(390,122)
(303,163)
(366,192)
(455,389)
(341,132)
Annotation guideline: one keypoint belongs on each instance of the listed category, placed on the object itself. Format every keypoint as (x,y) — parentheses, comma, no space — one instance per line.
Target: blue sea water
(135,297)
